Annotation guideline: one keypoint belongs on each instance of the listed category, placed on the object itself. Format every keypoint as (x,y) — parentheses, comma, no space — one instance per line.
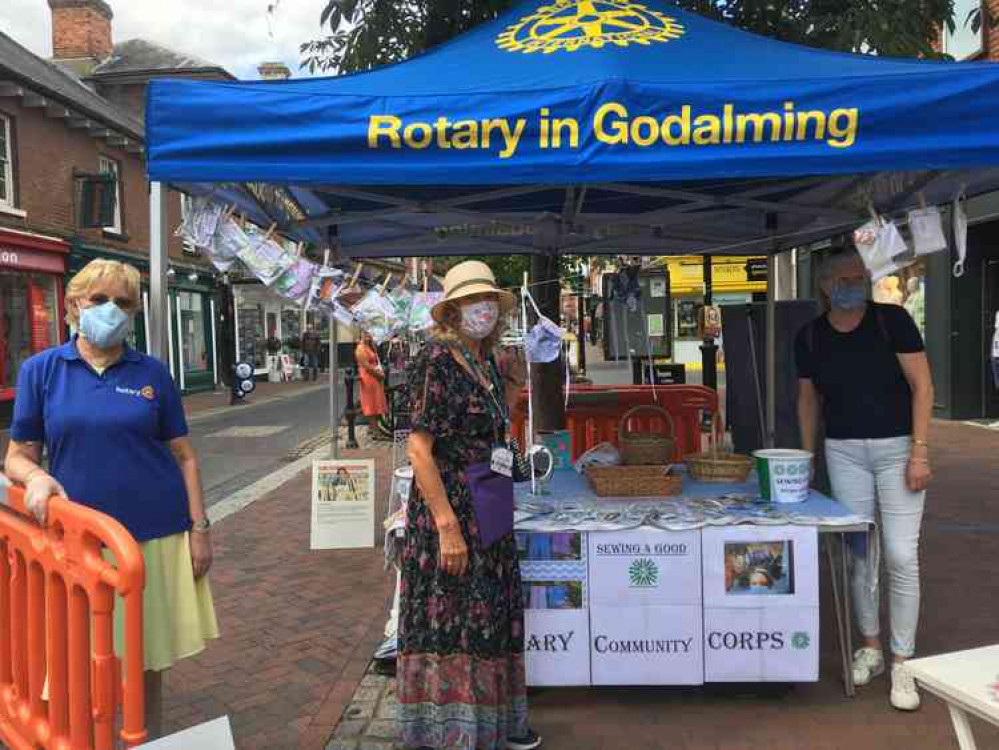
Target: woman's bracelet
(913,460)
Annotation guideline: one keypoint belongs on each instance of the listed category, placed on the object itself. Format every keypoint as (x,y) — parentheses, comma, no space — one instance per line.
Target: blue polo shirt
(106,435)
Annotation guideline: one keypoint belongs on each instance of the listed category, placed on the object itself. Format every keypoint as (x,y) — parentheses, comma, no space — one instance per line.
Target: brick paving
(960,610)
(298,627)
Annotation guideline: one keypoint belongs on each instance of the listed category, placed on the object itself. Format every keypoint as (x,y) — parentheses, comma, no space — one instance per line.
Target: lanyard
(492,383)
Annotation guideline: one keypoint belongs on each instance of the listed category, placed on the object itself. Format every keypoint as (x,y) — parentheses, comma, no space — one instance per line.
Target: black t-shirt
(864,392)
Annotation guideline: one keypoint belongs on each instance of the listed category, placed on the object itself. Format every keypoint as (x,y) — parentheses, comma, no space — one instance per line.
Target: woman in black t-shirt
(863,368)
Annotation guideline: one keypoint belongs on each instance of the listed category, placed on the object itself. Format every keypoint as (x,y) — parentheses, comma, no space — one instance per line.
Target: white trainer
(868,663)
(904,695)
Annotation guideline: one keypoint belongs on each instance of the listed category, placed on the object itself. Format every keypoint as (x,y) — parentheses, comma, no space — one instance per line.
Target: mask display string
(524,296)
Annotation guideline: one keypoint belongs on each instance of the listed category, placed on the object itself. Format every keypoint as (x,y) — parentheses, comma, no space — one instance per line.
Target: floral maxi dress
(461,675)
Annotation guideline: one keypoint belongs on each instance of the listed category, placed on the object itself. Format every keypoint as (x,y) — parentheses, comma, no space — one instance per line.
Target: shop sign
(642,568)
(31,260)
(756,269)
(647,645)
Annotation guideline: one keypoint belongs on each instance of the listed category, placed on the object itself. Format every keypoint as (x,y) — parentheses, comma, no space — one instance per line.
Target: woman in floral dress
(461,676)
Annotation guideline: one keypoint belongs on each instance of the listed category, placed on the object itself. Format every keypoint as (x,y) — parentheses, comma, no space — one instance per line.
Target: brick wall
(47,152)
(992,34)
(81,29)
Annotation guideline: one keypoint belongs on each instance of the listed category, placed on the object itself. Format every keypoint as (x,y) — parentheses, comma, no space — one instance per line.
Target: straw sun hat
(469,278)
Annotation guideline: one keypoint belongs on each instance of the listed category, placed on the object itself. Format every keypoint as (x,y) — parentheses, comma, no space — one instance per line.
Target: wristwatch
(202,526)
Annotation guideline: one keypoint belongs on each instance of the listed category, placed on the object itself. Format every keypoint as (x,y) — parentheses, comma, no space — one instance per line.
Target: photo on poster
(559,546)
(553,594)
(342,484)
(759,568)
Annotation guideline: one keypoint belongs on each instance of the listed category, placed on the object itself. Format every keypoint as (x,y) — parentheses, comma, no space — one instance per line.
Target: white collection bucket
(784,474)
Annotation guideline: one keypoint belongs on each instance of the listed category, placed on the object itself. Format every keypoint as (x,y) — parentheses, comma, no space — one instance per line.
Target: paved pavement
(960,609)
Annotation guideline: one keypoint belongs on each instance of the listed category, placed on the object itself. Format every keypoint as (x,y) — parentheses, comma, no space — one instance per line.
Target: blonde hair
(94,272)
(446,329)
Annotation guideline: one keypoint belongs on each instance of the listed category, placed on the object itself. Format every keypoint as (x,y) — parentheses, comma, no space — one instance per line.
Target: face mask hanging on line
(544,341)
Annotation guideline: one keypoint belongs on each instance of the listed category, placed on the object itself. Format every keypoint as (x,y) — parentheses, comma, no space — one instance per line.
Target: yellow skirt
(178,614)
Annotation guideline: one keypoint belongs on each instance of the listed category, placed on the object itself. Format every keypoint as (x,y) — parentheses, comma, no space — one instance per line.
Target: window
(29,321)
(111,167)
(193,340)
(6,163)
(964,42)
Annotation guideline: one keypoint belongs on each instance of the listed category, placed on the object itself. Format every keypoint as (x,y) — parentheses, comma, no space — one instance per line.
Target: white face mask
(479,319)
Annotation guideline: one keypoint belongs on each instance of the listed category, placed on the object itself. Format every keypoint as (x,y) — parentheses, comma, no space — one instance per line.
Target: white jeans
(868,477)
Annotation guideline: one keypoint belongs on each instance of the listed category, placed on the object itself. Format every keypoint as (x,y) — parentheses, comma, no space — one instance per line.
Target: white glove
(37,494)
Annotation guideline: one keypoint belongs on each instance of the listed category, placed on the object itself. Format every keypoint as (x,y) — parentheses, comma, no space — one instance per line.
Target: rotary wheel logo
(570,25)
(644,573)
(800,641)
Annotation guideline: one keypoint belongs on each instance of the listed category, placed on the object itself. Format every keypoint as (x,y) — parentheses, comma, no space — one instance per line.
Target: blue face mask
(105,326)
(848,296)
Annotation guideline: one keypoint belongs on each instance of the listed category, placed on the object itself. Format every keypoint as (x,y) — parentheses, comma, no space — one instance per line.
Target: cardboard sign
(557,647)
(752,567)
(761,645)
(213,735)
(647,645)
(343,504)
(645,568)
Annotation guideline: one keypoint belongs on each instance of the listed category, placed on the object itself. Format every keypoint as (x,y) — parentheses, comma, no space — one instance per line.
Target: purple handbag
(492,501)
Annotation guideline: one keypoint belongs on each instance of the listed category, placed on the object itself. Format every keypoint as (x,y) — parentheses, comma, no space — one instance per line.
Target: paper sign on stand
(213,735)
(343,504)
(749,567)
(761,645)
(645,568)
(647,645)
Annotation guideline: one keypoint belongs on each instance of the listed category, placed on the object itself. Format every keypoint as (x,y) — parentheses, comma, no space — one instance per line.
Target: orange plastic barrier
(595,411)
(57,596)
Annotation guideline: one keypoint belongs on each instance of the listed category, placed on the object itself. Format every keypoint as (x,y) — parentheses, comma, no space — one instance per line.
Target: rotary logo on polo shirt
(569,25)
(147,392)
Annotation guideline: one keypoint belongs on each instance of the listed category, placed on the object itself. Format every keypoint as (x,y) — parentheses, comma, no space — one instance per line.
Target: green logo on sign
(800,641)
(644,573)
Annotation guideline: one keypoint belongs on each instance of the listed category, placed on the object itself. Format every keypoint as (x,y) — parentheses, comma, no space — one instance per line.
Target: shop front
(192,320)
(31,304)
(735,280)
(266,325)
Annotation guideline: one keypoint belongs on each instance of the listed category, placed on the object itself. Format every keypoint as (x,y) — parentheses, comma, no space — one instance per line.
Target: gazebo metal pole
(334,359)
(158,344)
(771,339)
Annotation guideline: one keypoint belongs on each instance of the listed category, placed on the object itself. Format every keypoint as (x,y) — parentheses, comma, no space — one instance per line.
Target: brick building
(63,122)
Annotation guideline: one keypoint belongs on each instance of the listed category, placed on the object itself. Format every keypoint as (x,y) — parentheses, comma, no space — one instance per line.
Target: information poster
(212,735)
(556,607)
(343,504)
(647,645)
(645,568)
(761,645)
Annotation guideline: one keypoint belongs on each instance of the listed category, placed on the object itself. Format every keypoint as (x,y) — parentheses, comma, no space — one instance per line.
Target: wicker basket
(717,466)
(646,448)
(633,481)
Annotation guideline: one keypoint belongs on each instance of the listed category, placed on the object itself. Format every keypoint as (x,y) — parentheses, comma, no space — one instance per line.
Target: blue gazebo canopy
(618,126)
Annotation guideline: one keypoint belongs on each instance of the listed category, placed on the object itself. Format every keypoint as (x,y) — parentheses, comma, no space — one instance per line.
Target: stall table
(708,586)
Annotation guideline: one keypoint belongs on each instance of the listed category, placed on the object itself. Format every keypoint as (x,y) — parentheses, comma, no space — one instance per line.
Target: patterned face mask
(544,341)
(479,319)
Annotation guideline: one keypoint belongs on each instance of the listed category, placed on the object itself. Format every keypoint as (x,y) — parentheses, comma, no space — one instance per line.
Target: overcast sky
(231,33)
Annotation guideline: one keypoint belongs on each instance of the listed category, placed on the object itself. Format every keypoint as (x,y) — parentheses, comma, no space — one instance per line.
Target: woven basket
(633,481)
(646,448)
(717,466)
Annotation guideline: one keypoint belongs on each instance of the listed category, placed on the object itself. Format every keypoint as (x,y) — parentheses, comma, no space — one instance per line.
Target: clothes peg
(270,232)
(298,249)
(356,276)
(922,199)
(385,284)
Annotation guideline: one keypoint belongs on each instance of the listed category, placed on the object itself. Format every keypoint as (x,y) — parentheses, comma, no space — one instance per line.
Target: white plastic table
(969,683)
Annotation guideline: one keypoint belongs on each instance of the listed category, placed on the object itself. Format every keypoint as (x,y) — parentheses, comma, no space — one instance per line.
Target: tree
(362,34)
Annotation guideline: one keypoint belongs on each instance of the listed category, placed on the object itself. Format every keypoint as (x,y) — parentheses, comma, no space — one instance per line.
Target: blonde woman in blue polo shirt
(113,426)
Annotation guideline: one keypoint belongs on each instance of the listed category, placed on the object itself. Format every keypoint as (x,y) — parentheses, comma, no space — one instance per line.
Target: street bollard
(351,411)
